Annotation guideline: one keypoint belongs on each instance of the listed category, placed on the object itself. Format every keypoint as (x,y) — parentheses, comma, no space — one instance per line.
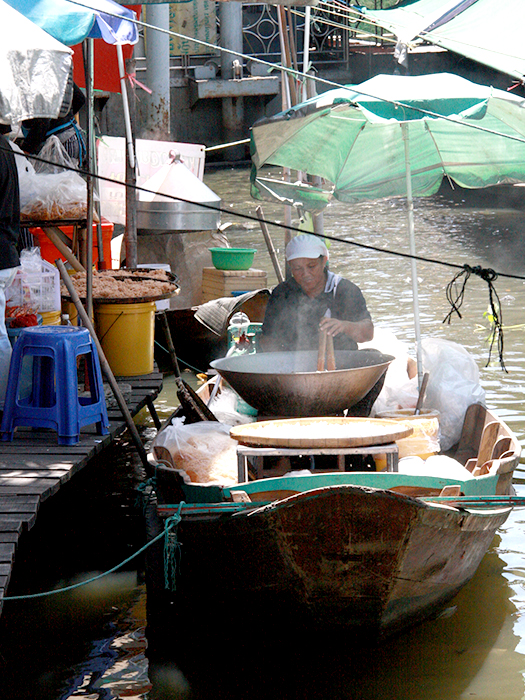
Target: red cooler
(50,253)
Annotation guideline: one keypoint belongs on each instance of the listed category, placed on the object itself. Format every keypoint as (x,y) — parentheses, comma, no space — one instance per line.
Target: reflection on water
(91,643)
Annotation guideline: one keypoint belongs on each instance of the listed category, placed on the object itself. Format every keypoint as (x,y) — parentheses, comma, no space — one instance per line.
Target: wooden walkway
(33,467)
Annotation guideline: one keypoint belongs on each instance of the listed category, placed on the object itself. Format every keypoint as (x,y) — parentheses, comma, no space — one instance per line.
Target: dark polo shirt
(292,317)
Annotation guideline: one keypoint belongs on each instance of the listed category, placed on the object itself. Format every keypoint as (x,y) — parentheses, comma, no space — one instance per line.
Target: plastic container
(51,318)
(232,258)
(126,333)
(50,253)
(40,290)
(424,440)
(239,325)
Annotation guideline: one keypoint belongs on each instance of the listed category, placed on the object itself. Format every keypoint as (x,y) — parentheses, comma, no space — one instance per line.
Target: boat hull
(341,557)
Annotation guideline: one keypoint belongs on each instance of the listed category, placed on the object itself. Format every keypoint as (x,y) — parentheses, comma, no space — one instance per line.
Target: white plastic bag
(398,391)
(453,385)
(204,450)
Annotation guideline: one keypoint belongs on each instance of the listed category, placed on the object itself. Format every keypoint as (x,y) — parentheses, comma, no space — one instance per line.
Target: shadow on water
(439,659)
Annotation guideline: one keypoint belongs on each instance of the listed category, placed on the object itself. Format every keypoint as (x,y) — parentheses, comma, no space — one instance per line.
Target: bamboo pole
(86,322)
(269,245)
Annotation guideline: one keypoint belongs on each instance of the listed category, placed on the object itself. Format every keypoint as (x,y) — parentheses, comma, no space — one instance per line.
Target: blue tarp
(72,22)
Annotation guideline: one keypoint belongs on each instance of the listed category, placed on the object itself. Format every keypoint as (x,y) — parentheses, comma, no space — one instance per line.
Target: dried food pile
(20,316)
(125,284)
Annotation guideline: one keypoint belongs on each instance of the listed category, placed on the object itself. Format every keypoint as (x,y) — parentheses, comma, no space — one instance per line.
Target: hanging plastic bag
(453,385)
(56,157)
(204,450)
(57,197)
(51,196)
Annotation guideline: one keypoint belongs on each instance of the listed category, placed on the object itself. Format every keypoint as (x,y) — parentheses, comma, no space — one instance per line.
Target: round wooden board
(320,432)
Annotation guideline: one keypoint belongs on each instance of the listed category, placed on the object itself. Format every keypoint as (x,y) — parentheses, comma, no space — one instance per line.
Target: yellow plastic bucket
(126,333)
(424,440)
(51,318)
(69,309)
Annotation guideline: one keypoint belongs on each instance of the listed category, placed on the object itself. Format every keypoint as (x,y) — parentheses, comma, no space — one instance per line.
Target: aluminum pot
(288,383)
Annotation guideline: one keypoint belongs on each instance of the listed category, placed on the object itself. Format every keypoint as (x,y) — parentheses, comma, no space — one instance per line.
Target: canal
(90,643)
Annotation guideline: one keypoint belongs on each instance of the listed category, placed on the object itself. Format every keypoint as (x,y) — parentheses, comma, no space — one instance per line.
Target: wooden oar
(86,322)
(269,245)
(422,392)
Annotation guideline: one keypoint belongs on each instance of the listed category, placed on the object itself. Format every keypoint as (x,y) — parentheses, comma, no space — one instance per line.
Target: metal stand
(258,453)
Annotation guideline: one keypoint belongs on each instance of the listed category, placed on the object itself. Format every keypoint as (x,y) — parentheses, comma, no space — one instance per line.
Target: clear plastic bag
(204,451)
(48,192)
(56,197)
(54,152)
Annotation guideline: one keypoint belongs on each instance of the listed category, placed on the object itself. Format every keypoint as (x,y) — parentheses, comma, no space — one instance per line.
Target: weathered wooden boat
(369,552)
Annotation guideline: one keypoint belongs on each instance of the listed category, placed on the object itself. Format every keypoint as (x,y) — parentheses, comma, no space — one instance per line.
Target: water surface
(91,644)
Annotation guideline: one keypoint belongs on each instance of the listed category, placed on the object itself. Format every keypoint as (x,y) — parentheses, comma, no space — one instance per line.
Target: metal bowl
(288,383)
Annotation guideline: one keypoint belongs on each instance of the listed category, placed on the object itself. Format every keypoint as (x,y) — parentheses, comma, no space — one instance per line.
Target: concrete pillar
(158,63)
(230,14)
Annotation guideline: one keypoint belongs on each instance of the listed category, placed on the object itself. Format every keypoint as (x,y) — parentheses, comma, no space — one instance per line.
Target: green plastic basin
(232,258)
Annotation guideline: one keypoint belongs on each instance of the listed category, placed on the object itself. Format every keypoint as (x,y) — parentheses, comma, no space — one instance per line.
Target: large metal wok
(288,383)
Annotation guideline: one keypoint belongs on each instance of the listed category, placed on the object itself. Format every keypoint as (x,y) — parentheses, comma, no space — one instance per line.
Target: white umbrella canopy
(35,70)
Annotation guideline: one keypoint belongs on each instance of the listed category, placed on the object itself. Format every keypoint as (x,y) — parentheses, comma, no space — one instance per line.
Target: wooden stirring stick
(326,348)
(322,351)
(330,354)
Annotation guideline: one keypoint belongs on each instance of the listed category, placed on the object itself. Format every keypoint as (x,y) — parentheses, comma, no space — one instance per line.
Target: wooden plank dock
(33,466)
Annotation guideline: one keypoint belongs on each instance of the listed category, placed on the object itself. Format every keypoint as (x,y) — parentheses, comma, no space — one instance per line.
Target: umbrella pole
(90,67)
(412,245)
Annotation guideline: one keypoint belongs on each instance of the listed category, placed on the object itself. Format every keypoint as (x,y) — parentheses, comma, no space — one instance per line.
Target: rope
(170,522)
(290,227)
(172,550)
(179,360)
(144,492)
(226,145)
(456,294)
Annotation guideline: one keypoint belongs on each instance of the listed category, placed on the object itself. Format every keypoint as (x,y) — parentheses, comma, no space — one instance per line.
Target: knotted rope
(145,491)
(455,292)
(172,550)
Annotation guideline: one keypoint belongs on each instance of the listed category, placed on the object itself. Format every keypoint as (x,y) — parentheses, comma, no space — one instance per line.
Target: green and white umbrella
(396,136)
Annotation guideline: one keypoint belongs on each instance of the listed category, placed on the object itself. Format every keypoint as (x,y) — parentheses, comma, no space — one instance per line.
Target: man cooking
(316,299)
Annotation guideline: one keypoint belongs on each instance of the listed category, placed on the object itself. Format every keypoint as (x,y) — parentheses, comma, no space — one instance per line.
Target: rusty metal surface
(353,557)
(287,383)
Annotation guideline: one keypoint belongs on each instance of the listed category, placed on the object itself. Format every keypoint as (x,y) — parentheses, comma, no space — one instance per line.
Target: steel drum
(288,383)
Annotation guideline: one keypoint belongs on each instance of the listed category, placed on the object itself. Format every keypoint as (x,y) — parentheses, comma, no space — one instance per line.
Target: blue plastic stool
(43,386)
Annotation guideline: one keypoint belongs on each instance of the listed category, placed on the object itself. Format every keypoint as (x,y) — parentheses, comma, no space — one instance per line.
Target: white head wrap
(306,246)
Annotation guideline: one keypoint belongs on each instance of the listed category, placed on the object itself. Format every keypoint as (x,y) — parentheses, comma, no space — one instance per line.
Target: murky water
(90,643)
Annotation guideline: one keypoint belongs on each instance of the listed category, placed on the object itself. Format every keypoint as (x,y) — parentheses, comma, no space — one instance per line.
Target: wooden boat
(368,552)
